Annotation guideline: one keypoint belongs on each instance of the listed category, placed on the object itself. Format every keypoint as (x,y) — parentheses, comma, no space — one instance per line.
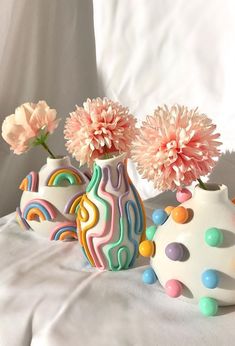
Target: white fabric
(142,53)
(50,297)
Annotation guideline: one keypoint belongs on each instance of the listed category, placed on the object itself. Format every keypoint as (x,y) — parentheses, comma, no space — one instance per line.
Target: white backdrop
(142,53)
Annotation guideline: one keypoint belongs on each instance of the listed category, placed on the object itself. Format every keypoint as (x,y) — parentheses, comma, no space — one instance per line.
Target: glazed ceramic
(111,217)
(193,253)
(50,199)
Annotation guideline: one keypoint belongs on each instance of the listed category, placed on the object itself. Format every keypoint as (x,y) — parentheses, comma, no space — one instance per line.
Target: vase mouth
(212,187)
(214,192)
(117,157)
(59,160)
(59,157)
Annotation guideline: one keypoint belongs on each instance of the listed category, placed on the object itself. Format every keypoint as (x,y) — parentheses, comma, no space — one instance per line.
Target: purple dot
(175,251)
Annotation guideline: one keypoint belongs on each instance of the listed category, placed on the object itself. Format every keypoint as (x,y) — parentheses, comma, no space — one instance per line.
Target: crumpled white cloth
(49,296)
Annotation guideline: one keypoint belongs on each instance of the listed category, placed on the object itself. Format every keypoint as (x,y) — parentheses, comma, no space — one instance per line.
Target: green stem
(201,184)
(45,146)
(108,155)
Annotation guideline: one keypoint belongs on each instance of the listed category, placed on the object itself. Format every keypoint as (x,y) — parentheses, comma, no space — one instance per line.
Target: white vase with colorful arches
(50,199)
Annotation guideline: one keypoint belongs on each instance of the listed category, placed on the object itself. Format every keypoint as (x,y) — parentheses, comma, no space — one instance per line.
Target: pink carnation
(175,146)
(101,126)
(20,129)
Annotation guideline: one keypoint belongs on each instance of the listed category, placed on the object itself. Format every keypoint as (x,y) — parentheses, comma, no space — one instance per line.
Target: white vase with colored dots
(111,217)
(50,199)
(192,249)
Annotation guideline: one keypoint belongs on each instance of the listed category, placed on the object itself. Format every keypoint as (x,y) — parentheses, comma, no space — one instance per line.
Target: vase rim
(215,194)
(215,187)
(118,156)
(59,157)
(60,160)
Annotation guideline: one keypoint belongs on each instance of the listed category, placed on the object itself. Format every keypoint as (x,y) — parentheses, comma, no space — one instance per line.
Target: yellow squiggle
(84,216)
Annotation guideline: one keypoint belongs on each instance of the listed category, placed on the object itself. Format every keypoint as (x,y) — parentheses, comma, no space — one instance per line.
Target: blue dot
(210,278)
(149,276)
(159,216)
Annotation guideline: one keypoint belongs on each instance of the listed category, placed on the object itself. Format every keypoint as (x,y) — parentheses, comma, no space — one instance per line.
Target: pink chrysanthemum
(23,127)
(100,127)
(175,146)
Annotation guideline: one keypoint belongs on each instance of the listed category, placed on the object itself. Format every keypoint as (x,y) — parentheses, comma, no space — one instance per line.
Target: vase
(50,199)
(192,249)
(111,217)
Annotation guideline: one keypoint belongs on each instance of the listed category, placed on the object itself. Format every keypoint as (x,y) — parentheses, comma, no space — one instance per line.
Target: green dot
(208,306)
(214,237)
(150,231)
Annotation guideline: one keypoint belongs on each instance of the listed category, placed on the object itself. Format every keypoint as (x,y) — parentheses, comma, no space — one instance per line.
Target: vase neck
(213,194)
(113,162)
(58,162)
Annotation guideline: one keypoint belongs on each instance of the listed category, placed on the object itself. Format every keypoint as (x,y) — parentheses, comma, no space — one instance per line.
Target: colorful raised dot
(233,200)
(174,251)
(169,209)
(183,195)
(208,306)
(149,277)
(214,237)
(173,288)
(159,216)
(150,231)
(180,214)
(146,248)
(210,278)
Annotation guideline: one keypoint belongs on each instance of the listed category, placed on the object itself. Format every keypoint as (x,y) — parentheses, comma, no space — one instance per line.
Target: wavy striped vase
(111,217)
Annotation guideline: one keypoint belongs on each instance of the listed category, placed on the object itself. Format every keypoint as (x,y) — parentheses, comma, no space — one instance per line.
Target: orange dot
(169,209)
(146,248)
(180,214)
(233,200)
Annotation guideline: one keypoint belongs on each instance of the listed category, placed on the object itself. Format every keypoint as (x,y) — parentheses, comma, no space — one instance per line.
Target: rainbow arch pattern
(64,231)
(39,209)
(30,182)
(62,175)
(73,204)
(21,221)
(114,244)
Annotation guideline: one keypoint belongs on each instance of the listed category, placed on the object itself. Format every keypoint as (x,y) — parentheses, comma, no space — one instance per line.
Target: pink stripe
(106,234)
(61,225)
(49,207)
(34,176)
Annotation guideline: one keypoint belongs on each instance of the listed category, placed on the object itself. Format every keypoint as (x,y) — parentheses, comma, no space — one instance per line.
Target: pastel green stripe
(64,176)
(93,179)
(110,247)
(94,190)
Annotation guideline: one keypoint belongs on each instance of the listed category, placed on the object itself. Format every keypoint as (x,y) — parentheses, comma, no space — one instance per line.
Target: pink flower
(175,146)
(20,129)
(101,126)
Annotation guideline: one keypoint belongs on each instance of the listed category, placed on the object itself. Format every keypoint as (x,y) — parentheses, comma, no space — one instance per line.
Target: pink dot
(173,288)
(183,195)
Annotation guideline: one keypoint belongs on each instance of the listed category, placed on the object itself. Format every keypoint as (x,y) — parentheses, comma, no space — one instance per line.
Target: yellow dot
(146,248)
(169,209)
(180,214)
